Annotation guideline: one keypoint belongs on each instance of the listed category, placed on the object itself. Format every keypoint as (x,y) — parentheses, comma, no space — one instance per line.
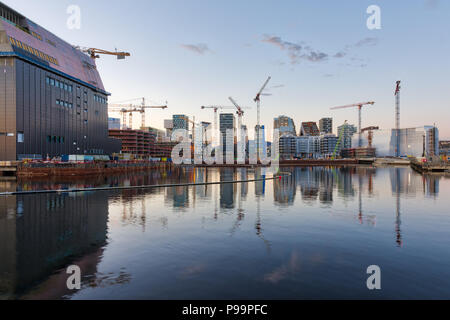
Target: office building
(53,99)
(180,121)
(308,147)
(328,144)
(287,147)
(285,125)
(309,129)
(347,131)
(416,142)
(228,131)
(326,125)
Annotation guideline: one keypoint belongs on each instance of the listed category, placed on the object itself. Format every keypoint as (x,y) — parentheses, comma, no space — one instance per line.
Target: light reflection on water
(310,235)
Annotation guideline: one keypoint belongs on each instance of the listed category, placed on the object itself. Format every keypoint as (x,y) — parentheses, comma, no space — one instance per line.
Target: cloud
(340,54)
(200,48)
(285,270)
(296,51)
(431,3)
(369,41)
(301,51)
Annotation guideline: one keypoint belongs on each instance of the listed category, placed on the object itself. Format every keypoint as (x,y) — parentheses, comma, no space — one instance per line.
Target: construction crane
(94,53)
(216,108)
(370,134)
(239,112)
(241,145)
(397,118)
(359,106)
(130,109)
(257,100)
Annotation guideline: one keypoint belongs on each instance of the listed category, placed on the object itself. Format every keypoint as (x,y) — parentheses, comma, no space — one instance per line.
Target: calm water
(311,235)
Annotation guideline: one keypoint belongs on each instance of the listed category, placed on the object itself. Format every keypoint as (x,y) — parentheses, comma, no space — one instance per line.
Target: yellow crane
(94,53)
(130,109)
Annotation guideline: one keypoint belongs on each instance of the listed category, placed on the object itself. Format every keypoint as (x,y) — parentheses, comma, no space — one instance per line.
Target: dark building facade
(52,100)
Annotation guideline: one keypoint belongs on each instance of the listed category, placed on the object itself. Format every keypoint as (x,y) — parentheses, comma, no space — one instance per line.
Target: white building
(416,142)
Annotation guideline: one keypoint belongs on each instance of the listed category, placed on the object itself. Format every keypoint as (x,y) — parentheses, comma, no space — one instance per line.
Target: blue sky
(198,52)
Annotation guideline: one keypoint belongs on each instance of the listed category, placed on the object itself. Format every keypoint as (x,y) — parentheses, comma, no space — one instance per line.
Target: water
(311,235)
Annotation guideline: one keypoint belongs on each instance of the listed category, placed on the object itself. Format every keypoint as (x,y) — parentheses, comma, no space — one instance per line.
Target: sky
(320,54)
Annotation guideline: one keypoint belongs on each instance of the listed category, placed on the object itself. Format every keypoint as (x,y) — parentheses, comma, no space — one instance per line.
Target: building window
(20,137)
(49,138)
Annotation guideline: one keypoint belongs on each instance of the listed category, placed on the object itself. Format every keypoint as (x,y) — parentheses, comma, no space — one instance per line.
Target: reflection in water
(48,232)
(42,234)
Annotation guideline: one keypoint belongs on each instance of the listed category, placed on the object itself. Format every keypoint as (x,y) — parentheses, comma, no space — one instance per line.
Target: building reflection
(43,233)
(227,190)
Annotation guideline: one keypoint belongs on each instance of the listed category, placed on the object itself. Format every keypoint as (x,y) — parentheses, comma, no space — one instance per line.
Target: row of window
(33,51)
(55,139)
(100,99)
(64,103)
(36,35)
(58,84)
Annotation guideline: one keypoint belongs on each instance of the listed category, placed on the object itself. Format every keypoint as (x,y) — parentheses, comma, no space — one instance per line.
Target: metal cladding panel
(70,60)
(7,109)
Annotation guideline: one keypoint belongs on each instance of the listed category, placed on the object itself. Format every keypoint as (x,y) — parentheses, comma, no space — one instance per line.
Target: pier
(426,167)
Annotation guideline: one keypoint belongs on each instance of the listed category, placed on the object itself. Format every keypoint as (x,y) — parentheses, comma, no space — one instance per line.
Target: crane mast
(241,145)
(215,109)
(258,124)
(397,119)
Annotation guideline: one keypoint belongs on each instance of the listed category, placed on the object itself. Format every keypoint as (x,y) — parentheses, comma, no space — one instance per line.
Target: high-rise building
(168,125)
(285,125)
(328,144)
(309,129)
(287,146)
(416,142)
(308,147)
(431,141)
(228,131)
(52,97)
(180,121)
(326,125)
(347,131)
